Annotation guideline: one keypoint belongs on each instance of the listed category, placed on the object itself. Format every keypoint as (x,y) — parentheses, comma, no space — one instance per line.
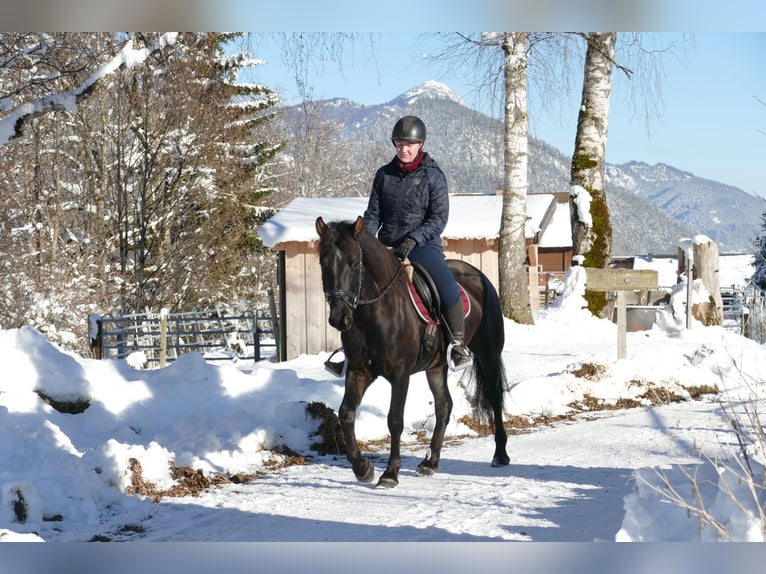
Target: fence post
(163,336)
(622,325)
(95,334)
(275,322)
(256,341)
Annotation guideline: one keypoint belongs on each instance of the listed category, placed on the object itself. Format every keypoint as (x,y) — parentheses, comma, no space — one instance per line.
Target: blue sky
(710,120)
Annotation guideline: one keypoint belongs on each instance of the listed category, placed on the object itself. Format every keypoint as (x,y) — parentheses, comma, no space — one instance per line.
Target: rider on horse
(408,210)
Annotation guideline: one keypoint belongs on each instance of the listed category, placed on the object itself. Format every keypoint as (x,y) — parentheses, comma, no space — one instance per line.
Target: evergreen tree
(146,196)
(759,261)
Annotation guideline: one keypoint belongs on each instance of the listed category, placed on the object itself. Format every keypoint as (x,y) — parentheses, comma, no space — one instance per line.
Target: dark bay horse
(381,333)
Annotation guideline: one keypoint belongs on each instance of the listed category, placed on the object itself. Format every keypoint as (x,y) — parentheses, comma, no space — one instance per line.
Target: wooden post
(702,264)
(622,325)
(689,293)
(533,278)
(706,269)
(621,280)
(163,336)
(96,334)
(275,323)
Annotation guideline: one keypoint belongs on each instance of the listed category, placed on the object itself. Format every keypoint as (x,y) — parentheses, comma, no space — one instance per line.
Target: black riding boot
(459,358)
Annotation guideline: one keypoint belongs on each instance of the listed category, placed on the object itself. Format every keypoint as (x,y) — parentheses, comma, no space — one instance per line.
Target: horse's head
(340,258)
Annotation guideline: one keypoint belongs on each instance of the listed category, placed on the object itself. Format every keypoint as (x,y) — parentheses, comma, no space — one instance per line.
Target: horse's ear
(320,225)
(358,227)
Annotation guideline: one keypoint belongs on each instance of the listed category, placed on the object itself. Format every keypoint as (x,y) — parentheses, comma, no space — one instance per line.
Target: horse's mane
(379,258)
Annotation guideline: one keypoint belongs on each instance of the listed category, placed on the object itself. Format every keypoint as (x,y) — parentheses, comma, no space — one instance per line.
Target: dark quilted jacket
(416,205)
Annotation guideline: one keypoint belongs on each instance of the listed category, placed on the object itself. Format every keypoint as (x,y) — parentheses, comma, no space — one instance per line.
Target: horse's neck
(380,270)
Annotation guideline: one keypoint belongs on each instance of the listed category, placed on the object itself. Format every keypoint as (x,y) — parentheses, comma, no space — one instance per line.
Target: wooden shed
(549,252)
(471,235)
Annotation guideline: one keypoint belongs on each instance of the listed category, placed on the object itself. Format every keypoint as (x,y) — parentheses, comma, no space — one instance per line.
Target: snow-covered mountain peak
(431,90)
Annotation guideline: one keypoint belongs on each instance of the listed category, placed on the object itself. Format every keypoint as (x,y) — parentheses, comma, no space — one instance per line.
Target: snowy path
(559,477)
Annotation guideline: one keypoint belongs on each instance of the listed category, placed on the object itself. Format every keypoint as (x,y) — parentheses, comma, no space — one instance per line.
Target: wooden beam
(620,279)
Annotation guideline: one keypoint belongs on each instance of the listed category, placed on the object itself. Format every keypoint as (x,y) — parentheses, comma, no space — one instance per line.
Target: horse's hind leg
(437,381)
(356,385)
(500,458)
(495,381)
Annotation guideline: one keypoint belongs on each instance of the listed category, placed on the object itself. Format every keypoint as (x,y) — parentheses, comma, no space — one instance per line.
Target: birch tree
(498,62)
(514,287)
(591,228)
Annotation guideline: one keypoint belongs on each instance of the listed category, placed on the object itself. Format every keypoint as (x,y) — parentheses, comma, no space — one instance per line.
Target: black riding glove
(405,248)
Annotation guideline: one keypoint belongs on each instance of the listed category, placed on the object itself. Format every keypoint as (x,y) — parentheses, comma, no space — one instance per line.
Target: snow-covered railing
(744,310)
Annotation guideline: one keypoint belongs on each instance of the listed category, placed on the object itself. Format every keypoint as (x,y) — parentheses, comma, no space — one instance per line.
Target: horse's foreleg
(390,478)
(437,381)
(355,388)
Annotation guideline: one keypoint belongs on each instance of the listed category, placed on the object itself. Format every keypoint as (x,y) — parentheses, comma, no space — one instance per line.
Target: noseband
(352,298)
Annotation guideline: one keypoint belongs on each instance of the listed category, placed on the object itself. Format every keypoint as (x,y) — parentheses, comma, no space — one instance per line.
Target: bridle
(352,298)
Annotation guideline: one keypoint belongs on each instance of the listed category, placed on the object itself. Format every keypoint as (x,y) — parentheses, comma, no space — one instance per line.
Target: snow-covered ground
(67,477)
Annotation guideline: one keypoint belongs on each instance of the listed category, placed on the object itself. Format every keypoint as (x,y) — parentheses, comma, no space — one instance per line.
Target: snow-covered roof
(471,217)
(559,230)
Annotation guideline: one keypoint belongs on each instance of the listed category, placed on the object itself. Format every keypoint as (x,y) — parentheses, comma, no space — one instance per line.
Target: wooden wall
(554,259)
(306,328)
(481,253)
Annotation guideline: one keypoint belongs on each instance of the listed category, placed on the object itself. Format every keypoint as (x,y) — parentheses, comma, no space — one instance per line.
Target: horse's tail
(488,369)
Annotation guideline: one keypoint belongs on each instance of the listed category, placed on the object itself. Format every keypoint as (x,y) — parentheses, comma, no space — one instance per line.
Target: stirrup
(337,368)
(451,363)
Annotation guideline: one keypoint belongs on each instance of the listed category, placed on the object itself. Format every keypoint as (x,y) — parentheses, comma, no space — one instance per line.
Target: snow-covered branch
(12,125)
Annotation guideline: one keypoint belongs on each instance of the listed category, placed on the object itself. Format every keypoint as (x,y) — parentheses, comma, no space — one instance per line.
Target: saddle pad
(421,309)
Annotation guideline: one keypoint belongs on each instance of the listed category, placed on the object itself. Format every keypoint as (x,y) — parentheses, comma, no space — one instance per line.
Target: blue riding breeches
(432,259)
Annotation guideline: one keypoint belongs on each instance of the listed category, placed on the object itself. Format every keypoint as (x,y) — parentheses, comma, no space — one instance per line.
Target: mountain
(728,215)
(651,207)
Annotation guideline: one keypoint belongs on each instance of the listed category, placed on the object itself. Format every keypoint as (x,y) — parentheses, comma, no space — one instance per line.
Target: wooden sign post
(621,280)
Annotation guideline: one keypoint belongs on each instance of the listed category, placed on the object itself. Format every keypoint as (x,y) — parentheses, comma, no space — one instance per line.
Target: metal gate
(218,334)
(744,310)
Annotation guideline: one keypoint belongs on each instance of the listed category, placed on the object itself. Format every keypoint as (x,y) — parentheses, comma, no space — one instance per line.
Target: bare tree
(319,163)
(514,287)
(591,228)
(589,213)
(480,54)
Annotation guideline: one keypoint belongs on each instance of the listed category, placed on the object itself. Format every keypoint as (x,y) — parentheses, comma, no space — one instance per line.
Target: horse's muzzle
(341,321)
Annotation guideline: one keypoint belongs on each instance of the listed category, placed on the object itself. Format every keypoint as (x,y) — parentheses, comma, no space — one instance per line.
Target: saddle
(425,295)
(427,302)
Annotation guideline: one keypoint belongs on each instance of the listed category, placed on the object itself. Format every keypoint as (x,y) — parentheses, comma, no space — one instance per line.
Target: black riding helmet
(409,129)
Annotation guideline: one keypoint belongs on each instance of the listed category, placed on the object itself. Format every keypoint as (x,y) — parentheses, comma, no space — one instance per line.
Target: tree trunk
(514,287)
(705,268)
(591,228)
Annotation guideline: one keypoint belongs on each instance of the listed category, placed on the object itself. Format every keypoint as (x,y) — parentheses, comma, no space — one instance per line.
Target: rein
(351,299)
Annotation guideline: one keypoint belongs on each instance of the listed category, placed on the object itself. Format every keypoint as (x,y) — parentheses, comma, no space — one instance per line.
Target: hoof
(387,482)
(425,470)
(368,474)
(501,461)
